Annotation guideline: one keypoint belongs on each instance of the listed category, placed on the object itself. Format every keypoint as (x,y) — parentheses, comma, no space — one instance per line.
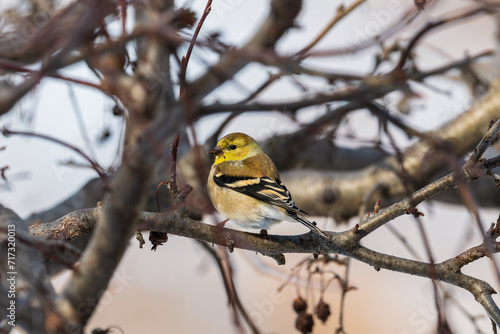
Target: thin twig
(475,169)
(99,170)
(341,13)
(84,133)
(446,183)
(173,166)
(185,59)
(405,54)
(232,294)
(345,289)
(443,326)
(403,241)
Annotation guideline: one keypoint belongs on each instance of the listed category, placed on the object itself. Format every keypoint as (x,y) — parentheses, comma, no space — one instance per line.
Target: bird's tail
(311,225)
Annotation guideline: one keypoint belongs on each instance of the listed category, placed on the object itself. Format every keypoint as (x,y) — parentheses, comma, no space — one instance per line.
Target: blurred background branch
(163,71)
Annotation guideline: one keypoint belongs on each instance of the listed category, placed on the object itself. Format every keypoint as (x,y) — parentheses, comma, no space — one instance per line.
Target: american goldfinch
(245,187)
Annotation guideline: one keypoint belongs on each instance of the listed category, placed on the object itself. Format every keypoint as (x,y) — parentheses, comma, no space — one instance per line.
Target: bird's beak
(217,151)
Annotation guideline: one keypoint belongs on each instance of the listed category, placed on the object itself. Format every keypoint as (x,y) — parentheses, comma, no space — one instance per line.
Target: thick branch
(113,231)
(177,222)
(108,244)
(340,195)
(35,296)
(129,185)
(345,243)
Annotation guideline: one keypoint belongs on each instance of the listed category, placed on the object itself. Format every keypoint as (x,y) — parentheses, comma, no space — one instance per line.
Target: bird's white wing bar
(263,188)
(267,190)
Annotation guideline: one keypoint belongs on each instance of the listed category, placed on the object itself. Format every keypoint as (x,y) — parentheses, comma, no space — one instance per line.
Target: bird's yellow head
(235,146)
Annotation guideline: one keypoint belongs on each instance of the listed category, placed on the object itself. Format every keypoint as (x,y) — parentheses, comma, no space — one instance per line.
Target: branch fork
(178,196)
(475,165)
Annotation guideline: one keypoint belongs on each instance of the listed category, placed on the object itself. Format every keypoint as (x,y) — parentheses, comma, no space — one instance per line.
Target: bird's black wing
(263,188)
(269,191)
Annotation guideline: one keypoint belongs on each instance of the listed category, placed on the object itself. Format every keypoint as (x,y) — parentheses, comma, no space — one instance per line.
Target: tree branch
(346,243)
(279,20)
(338,195)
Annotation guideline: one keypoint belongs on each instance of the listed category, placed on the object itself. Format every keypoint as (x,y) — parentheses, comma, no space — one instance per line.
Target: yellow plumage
(245,187)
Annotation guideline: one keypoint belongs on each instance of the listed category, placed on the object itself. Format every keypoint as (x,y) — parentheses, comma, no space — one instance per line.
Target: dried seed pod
(157,239)
(304,322)
(322,310)
(299,304)
(117,111)
(184,18)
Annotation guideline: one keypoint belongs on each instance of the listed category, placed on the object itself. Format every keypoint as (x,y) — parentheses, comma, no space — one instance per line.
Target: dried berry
(322,310)
(117,111)
(420,4)
(184,18)
(157,239)
(304,322)
(299,304)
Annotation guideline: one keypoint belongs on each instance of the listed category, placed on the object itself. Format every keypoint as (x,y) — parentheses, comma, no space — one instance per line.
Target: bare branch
(99,170)
(432,25)
(31,280)
(279,20)
(345,243)
(185,60)
(341,13)
(338,195)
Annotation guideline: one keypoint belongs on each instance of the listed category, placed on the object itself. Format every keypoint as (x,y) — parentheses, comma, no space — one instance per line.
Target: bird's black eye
(232,147)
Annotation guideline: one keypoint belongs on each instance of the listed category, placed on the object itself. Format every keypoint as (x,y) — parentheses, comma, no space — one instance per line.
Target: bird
(244,186)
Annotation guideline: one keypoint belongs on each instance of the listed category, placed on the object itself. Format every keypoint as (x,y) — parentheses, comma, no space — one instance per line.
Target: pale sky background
(177,289)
